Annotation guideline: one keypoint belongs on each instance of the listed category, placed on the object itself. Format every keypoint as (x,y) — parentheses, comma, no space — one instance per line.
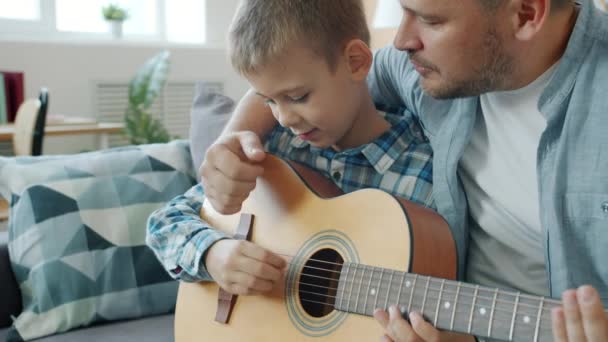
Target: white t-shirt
(498,170)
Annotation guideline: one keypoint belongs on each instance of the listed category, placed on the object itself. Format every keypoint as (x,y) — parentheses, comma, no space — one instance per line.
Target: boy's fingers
(258,253)
(218,184)
(251,146)
(261,270)
(230,165)
(249,282)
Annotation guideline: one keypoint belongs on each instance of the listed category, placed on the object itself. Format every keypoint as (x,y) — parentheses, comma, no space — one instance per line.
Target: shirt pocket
(586,234)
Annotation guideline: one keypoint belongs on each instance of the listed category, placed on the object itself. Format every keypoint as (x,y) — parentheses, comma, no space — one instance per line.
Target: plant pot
(115,28)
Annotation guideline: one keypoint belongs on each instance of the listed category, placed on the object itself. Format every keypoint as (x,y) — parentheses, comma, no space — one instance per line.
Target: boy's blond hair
(263,30)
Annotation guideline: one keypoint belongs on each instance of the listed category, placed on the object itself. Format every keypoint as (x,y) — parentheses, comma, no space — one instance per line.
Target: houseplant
(115,16)
(140,126)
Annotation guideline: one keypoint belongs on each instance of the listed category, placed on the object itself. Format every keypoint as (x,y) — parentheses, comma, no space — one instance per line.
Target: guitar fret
(514,316)
(472,309)
(484,311)
(369,285)
(540,311)
(409,305)
(359,291)
(352,284)
(399,293)
(378,290)
(342,284)
(426,291)
(439,302)
(390,282)
(492,312)
(455,303)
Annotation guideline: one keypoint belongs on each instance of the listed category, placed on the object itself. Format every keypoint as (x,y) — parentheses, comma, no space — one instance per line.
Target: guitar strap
(225,300)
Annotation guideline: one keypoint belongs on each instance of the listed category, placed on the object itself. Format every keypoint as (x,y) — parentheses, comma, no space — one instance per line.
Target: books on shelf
(3,108)
(13,92)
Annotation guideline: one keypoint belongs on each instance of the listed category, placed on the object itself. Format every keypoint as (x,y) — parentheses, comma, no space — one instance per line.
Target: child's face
(318,105)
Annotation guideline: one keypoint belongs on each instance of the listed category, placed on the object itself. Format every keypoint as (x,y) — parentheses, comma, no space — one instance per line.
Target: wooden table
(103,129)
(3,209)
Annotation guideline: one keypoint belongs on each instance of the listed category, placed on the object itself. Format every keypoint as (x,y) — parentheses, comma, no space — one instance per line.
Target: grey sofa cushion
(10,296)
(151,329)
(210,113)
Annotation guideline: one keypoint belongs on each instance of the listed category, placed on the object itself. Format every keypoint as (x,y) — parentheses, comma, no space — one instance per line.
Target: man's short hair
(262,30)
(492,5)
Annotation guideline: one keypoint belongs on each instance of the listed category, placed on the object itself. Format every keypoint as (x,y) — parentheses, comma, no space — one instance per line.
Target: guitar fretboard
(449,305)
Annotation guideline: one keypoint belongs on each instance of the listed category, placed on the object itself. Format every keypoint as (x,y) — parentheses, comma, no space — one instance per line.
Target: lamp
(388,14)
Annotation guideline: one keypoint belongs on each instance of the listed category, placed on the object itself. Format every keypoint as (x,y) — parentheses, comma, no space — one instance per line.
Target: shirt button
(605,207)
(337,177)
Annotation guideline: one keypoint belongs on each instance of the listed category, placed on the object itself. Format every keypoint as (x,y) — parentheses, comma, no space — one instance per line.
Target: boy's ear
(359,59)
(528,17)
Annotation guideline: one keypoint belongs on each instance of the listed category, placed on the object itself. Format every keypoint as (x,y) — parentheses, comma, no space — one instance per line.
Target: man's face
(317,104)
(457,46)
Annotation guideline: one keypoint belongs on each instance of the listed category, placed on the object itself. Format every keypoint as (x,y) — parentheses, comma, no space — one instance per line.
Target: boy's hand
(230,170)
(397,329)
(243,268)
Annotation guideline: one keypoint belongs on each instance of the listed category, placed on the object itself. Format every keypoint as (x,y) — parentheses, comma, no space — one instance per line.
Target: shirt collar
(383,151)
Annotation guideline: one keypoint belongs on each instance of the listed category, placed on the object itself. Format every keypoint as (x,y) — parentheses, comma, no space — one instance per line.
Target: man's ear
(528,17)
(359,59)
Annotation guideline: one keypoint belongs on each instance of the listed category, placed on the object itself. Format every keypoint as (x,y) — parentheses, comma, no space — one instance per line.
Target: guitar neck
(449,305)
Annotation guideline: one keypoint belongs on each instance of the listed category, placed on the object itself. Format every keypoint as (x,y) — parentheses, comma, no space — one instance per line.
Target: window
(185,21)
(85,16)
(180,21)
(20,10)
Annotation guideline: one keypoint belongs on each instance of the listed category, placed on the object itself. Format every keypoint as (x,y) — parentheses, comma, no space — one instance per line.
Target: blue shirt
(572,158)
(399,162)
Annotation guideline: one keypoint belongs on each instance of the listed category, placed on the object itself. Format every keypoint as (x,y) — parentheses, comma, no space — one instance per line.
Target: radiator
(172,106)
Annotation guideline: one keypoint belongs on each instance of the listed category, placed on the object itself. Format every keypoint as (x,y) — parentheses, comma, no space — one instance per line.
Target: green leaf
(149,81)
(146,85)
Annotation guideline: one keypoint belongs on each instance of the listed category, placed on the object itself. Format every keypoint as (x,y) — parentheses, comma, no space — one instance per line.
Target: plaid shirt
(399,162)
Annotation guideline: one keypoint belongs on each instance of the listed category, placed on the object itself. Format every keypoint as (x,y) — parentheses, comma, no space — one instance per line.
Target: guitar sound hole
(319,282)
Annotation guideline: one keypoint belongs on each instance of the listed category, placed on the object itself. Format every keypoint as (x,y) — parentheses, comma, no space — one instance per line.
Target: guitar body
(292,218)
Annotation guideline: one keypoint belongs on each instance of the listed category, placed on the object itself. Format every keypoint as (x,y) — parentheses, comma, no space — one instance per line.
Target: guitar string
(350,300)
(544,324)
(532,308)
(462,285)
(461,294)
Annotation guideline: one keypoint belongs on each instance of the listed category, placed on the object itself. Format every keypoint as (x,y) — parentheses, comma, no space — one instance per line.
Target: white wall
(68,69)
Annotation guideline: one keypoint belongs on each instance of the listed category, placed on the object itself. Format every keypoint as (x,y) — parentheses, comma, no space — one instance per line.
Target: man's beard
(487,77)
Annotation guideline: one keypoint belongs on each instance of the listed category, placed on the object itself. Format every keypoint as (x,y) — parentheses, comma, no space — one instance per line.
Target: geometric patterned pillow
(77,231)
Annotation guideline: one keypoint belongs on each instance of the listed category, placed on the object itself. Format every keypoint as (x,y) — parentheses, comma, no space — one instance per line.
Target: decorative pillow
(76,234)
(210,113)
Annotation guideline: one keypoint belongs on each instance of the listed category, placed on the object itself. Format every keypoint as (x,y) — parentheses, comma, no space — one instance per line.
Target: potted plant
(140,126)
(115,16)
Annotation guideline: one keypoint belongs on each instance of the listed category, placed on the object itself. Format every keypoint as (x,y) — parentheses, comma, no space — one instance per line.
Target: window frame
(45,29)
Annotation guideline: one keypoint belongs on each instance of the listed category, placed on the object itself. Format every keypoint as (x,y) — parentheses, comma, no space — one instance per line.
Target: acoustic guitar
(348,254)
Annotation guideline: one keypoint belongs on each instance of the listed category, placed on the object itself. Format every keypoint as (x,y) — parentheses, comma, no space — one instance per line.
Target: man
(511,94)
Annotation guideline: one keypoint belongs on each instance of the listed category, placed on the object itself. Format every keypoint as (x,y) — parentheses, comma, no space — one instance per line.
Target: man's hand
(581,318)
(229,170)
(243,268)
(397,329)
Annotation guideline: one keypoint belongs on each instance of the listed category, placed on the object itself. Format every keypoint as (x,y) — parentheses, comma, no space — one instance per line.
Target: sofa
(152,329)
(74,255)
(103,284)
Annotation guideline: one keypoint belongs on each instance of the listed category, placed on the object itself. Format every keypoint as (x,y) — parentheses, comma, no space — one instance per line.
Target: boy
(308,61)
